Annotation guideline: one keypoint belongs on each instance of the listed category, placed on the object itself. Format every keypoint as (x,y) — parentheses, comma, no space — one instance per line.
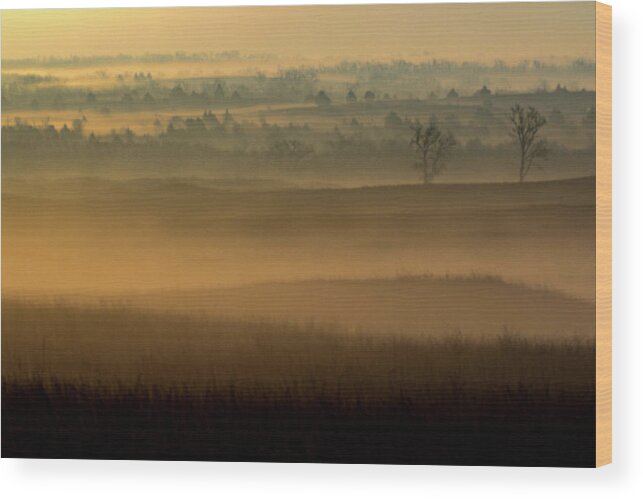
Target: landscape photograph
(319,234)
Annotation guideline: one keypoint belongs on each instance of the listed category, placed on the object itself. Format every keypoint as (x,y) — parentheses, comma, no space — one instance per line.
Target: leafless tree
(526,125)
(434,146)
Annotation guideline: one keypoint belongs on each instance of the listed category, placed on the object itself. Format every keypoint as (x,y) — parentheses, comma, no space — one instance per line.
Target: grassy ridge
(414,304)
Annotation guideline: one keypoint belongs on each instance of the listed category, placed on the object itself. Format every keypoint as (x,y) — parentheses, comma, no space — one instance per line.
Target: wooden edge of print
(603,234)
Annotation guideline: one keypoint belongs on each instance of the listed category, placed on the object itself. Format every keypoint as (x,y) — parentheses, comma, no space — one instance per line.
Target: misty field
(114,382)
(149,235)
(183,319)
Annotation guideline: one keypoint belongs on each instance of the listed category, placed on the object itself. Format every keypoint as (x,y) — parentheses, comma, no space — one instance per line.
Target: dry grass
(112,345)
(117,383)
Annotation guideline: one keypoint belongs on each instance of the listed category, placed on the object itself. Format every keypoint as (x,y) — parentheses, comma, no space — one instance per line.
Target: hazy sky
(481,32)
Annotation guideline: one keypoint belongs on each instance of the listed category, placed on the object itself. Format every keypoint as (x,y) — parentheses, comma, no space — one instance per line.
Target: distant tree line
(108,60)
(433,144)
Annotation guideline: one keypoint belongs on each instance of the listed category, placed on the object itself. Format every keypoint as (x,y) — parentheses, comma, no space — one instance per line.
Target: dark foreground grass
(240,391)
(500,427)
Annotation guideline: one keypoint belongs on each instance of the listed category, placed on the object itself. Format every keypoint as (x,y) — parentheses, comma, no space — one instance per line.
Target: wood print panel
(348,234)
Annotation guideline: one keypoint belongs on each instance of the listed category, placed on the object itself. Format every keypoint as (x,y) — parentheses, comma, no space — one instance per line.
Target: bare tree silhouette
(433,145)
(526,125)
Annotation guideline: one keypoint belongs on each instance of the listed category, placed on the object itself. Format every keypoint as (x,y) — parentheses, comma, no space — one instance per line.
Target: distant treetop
(483,92)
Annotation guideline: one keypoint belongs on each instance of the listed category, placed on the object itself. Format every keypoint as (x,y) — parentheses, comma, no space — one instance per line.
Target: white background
(623,479)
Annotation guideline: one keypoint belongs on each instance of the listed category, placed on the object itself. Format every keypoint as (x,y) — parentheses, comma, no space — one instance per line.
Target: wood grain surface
(603,234)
